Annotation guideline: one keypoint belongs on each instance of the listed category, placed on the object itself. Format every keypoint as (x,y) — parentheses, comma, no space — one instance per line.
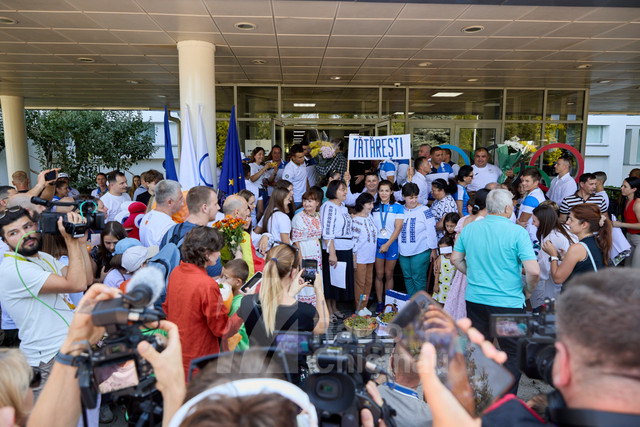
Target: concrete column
(15,134)
(196,61)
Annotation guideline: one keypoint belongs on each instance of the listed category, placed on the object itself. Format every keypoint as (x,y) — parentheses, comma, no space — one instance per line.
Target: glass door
(277,133)
(471,137)
(431,133)
(383,128)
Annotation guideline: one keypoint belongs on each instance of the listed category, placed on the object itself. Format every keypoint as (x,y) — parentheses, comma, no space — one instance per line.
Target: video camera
(536,335)
(48,221)
(115,366)
(338,390)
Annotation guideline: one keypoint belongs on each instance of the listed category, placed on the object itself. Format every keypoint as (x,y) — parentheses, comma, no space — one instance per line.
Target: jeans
(414,270)
(480,316)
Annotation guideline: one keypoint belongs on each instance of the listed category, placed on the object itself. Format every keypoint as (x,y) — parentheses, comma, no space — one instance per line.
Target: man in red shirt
(194,302)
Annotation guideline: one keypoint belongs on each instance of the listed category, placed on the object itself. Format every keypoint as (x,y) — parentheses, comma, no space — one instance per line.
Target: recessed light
(335,77)
(604,81)
(472,80)
(571,103)
(398,113)
(7,21)
(472,29)
(245,26)
(424,64)
(301,104)
(584,66)
(133,82)
(259,62)
(84,59)
(162,96)
(446,94)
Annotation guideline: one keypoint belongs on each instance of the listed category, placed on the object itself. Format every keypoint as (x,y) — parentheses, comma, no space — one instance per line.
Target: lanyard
(64,297)
(403,390)
(384,215)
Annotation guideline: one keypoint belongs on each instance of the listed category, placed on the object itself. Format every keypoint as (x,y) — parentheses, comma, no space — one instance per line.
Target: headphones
(249,387)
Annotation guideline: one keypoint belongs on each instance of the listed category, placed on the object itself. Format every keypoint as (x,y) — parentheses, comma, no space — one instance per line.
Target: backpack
(166,260)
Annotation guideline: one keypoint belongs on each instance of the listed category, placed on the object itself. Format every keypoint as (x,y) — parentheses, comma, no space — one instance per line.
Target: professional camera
(536,335)
(48,221)
(115,366)
(338,390)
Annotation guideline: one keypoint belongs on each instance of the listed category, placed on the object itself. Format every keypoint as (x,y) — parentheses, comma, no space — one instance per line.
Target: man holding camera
(35,286)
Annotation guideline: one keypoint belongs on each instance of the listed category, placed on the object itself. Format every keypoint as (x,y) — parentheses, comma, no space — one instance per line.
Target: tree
(82,143)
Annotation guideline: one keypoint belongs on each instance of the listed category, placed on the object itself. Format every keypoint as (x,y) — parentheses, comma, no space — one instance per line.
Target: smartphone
(310,268)
(252,283)
(50,176)
(475,380)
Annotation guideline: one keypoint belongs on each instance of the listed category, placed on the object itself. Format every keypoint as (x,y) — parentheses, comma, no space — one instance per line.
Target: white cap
(135,256)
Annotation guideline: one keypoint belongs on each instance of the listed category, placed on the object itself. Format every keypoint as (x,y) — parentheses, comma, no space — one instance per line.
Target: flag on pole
(231,177)
(205,177)
(188,176)
(169,164)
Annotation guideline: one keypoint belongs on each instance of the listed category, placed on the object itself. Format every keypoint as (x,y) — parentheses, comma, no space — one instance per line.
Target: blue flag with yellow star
(231,176)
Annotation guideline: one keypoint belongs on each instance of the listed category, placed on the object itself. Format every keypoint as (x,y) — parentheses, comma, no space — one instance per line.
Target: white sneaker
(364,312)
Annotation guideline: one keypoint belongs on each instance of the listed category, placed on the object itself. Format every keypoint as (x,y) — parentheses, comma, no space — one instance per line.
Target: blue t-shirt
(494,250)
(387,214)
(443,168)
(464,197)
(386,169)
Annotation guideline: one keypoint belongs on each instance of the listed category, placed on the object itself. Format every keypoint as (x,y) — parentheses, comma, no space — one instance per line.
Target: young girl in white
(447,270)
(364,249)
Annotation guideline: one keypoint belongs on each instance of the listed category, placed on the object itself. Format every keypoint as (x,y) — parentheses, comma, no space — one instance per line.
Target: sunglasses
(36,377)
(9,210)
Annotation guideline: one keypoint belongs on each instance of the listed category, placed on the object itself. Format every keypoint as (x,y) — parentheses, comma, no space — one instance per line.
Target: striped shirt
(574,200)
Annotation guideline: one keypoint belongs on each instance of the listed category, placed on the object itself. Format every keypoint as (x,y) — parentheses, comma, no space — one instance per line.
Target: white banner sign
(394,147)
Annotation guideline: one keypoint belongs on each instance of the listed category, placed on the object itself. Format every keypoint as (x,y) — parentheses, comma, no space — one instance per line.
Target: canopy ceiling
(309,42)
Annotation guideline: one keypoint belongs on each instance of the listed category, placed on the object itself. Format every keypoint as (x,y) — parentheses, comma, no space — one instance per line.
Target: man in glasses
(35,286)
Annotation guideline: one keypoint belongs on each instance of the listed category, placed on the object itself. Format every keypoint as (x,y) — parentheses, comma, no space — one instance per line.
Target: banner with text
(394,147)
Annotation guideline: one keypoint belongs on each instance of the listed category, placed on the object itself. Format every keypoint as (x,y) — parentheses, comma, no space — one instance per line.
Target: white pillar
(15,134)
(197,86)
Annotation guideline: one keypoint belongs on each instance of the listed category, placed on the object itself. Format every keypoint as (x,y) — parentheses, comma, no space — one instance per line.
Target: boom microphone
(145,287)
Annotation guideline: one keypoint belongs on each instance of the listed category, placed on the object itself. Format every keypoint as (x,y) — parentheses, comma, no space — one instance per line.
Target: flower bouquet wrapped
(322,151)
(510,152)
(232,229)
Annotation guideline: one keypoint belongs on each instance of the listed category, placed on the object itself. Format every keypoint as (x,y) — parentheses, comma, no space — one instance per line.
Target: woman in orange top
(194,302)
(631,191)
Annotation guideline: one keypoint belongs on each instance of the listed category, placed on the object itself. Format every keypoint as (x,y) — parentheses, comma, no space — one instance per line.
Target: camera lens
(328,388)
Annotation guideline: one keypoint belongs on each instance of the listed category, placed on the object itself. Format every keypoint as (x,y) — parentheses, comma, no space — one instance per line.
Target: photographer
(60,398)
(34,287)
(596,368)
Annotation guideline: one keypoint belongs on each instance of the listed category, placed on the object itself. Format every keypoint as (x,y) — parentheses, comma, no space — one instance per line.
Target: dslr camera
(536,335)
(338,390)
(48,221)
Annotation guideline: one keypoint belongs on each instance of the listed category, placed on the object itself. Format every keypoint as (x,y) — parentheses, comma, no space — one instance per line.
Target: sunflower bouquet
(233,231)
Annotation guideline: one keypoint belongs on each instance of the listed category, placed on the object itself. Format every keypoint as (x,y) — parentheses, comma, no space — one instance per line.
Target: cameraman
(596,368)
(35,286)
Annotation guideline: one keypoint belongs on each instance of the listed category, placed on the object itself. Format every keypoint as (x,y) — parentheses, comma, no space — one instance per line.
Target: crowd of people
(479,247)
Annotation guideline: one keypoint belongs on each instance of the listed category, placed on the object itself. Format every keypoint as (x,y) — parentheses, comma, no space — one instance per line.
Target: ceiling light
(335,77)
(604,81)
(301,104)
(424,64)
(446,94)
(571,103)
(491,104)
(245,26)
(259,62)
(472,80)
(423,104)
(584,66)
(398,113)
(84,59)
(472,29)
(7,21)
(162,96)
(133,82)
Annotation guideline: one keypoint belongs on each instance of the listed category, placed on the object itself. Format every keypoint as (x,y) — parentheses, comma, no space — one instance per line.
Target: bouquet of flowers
(510,152)
(322,149)
(233,231)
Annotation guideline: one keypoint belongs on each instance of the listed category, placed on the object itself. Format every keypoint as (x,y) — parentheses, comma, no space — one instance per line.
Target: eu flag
(231,176)
(169,164)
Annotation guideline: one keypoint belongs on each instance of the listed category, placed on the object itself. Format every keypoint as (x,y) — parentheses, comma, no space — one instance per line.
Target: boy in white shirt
(296,173)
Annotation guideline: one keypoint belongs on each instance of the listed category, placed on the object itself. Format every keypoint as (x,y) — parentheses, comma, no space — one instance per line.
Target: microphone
(145,287)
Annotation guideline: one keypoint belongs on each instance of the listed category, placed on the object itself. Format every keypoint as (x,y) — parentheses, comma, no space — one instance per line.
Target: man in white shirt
(41,281)
(310,163)
(296,173)
(534,196)
(422,169)
(601,178)
(562,185)
(483,171)
(117,194)
(157,222)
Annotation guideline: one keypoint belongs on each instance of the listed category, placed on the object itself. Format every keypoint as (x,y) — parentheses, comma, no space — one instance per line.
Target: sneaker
(364,312)
(380,308)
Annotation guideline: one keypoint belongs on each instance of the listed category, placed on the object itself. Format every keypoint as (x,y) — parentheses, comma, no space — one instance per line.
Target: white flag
(205,177)
(188,175)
